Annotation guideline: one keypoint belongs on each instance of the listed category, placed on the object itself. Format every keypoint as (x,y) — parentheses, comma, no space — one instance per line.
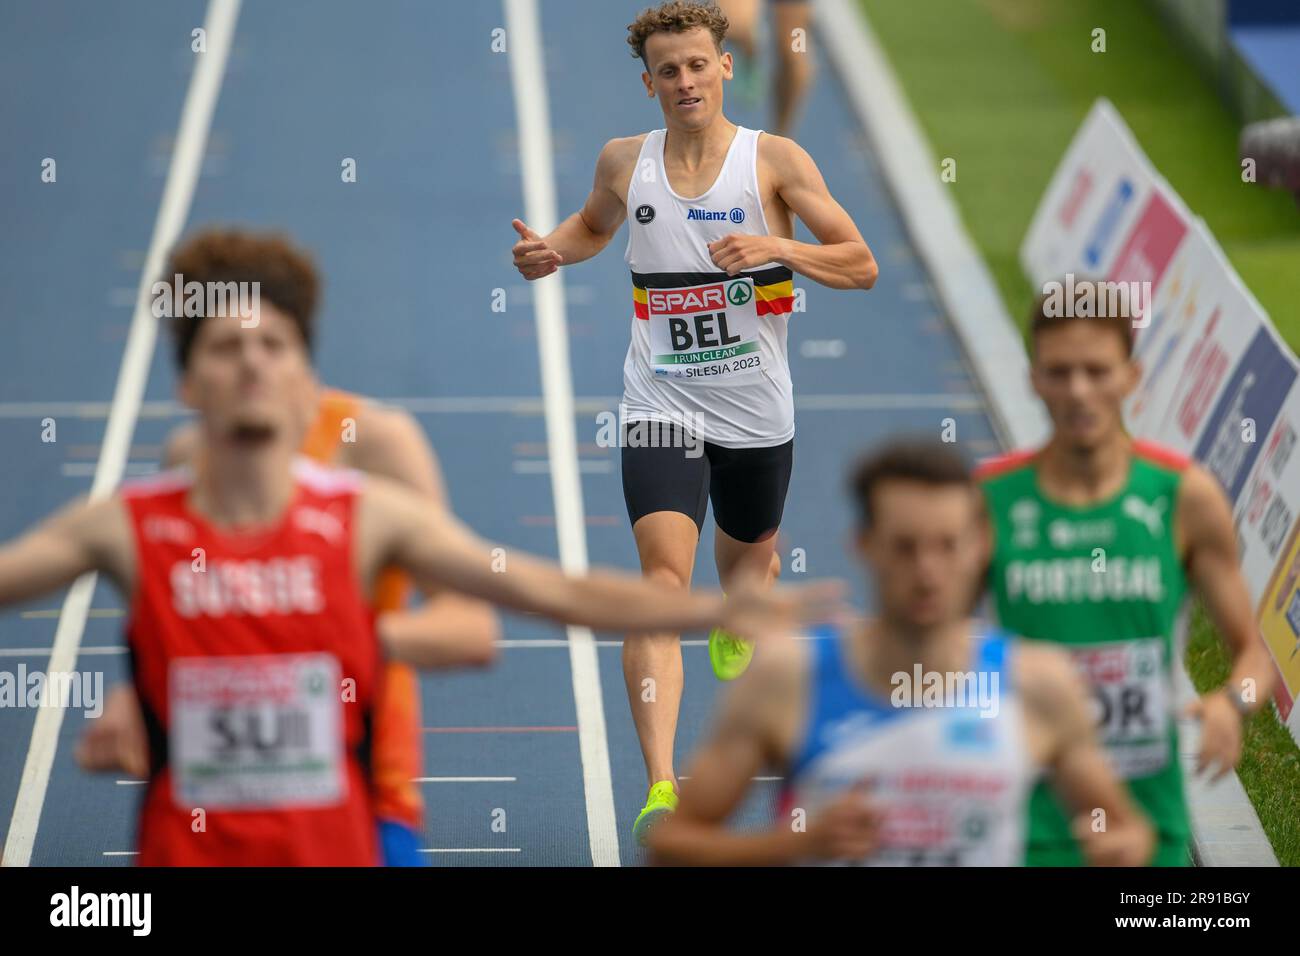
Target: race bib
(706,333)
(256,732)
(1131,701)
(949,787)
(940,831)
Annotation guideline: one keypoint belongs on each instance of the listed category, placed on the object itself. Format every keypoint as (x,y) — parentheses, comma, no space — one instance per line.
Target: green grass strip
(1001,86)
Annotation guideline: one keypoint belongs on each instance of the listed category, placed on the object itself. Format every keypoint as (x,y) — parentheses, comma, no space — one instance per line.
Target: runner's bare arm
(398,527)
(1110,828)
(1210,545)
(390,442)
(83,536)
(588,231)
(839,259)
(457,630)
(117,742)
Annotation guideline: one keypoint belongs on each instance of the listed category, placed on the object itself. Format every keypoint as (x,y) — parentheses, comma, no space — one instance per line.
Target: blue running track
(412,253)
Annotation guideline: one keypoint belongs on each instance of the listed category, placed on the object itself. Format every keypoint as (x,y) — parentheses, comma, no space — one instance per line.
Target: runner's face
(1083,376)
(249,381)
(925,552)
(686,74)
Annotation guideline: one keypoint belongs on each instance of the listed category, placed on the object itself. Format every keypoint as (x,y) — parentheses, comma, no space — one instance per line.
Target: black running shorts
(666,470)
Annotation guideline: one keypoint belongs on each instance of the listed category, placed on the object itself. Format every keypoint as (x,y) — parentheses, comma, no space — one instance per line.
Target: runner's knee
(666,575)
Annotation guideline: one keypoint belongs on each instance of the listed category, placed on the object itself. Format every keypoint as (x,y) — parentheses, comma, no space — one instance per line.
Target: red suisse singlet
(256,663)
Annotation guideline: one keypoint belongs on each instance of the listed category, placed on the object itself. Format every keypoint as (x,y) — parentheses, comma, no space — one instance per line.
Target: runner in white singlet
(707,413)
(707,347)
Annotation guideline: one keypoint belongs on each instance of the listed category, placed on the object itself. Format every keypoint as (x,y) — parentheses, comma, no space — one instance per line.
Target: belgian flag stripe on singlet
(773,288)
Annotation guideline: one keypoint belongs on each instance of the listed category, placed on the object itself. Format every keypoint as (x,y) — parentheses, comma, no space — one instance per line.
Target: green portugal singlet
(1105,582)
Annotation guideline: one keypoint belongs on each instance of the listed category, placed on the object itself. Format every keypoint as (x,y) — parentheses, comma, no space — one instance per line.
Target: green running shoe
(660,801)
(728,654)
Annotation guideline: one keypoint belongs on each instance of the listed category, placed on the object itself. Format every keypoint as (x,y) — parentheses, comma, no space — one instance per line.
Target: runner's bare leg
(794,67)
(742,15)
(666,543)
(730,553)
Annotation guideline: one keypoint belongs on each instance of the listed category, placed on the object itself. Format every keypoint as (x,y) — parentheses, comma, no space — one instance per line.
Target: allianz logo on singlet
(288,585)
(736,214)
(1084,579)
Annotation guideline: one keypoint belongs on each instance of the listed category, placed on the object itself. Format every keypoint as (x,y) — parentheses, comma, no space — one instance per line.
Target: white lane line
(507,644)
(531,466)
(887,403)
(512,405)
(130,783)
(509,404)
(474,849)
(87,469)
(121,853)
(133,376)
(85,410)
(47,651)
(513,643)
(533,120)
(464,779)
(53,612)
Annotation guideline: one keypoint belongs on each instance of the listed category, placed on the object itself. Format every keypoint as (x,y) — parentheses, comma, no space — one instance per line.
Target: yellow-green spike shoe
(729,654)
(660,801)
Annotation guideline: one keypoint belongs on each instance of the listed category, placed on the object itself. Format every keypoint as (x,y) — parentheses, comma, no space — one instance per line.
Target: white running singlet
(708,350)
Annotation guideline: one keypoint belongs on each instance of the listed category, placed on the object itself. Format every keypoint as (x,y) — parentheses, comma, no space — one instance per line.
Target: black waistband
(676,280)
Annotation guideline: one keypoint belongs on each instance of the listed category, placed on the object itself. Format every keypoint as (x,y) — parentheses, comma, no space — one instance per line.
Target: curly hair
(287,276)
(677,16)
